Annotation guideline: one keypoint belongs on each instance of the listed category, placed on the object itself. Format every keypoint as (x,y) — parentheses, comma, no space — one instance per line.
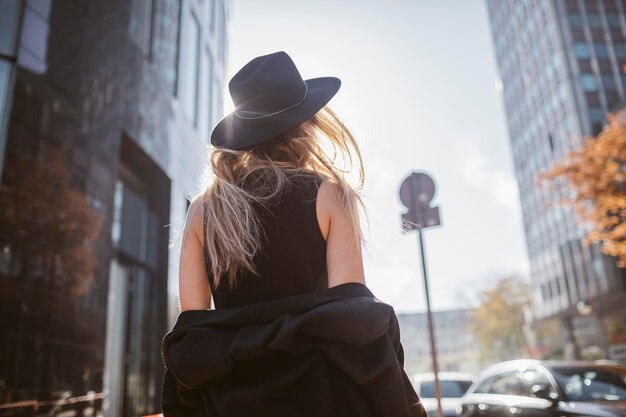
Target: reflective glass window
(5,71)
(608,81)
(574,19)
(506,384)
(8,25)
(140,24)
(612,19)
(206,99)
(189,67)
(449,388)
(600,383)
(5,76)
(600,50)
(581,50)
(588,82)
(594,20)
(596,114)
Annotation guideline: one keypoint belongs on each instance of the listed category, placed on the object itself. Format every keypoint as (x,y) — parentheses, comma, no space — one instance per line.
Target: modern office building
(457,348)
(105,114)
(561,65)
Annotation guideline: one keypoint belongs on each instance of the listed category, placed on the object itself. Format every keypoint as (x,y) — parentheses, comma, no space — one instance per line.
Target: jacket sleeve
(176,402)
(415,402)
(351,345)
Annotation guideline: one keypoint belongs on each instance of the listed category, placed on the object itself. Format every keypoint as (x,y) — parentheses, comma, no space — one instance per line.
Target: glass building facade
(105,114)
(561,64)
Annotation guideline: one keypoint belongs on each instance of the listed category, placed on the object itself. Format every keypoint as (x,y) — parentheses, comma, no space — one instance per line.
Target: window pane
(608,82)
(594,20)
(33,48)
(581,50)
(140,23)
(206,96)
(5,71)
(531,379)
(506,384)
(574,19)
(612,19)
(5,74)
(588,82)
(489,385)
(449,389)
(8,23)
(133,221)
(600,49)
(596,114)
(189,67)
(592,384)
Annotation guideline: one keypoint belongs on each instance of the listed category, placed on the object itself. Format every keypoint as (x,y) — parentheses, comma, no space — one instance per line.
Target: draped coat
(330,353)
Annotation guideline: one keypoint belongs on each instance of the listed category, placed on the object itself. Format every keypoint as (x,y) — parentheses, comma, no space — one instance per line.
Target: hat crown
(267,84)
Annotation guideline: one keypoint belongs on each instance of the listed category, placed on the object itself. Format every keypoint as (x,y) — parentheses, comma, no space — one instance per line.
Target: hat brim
(235,133)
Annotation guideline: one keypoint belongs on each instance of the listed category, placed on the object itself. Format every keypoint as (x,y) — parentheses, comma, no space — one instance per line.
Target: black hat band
(237,113)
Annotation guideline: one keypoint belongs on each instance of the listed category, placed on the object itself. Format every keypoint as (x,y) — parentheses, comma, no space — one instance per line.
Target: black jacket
(334,352)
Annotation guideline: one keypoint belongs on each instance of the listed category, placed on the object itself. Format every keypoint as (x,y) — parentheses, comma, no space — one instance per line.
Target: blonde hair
(233,231)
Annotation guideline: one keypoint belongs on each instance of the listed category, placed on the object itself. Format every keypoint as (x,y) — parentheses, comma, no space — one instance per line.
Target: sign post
(416,193)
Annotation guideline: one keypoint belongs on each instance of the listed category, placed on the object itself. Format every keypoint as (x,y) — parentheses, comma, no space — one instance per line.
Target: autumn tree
(48,227)
(47,266)
(591,180)
(499,320)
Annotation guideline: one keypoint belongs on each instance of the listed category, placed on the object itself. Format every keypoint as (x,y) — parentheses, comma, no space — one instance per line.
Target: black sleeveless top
(292,255)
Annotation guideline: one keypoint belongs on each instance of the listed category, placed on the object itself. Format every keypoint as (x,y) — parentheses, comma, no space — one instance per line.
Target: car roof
(576,364)
(520,364)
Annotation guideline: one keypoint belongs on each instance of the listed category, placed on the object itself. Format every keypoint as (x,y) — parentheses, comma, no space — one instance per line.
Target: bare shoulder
(194,225)
(344,261)
(193,284)
(328,203)
(329,196)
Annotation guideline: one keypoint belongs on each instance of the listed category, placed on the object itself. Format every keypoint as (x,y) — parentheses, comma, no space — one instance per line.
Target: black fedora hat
(270,97)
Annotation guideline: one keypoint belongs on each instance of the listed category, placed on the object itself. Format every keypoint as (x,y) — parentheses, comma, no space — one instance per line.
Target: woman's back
(291,259)
(287,340)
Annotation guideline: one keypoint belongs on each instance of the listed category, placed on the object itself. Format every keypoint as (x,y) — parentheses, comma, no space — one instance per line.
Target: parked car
(453,385)
(530,388)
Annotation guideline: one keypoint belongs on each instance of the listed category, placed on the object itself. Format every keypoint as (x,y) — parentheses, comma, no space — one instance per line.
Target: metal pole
(431,330)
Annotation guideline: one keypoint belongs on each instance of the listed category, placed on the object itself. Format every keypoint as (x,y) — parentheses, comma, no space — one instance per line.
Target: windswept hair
(233,230)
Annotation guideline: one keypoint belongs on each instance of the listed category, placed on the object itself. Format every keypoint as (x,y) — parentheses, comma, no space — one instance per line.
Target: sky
(419,92)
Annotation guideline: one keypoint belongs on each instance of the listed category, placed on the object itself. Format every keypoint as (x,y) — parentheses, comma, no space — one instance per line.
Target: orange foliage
(47,224)
(593,182)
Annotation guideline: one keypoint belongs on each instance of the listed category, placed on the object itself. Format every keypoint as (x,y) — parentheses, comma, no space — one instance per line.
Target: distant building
(105,114)
(457,348)
(562,66)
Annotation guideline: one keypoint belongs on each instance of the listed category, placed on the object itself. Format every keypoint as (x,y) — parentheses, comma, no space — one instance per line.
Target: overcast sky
(419,93)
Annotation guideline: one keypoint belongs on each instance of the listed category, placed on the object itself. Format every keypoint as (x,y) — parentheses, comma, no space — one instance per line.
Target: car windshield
(596,383)
(449,388)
